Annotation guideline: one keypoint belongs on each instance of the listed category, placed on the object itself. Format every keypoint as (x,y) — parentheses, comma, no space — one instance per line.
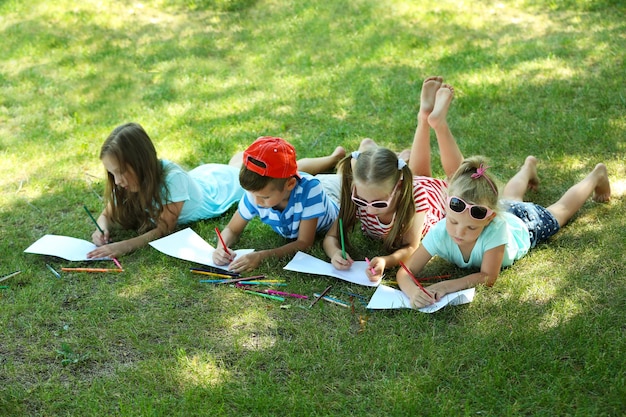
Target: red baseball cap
(271,157)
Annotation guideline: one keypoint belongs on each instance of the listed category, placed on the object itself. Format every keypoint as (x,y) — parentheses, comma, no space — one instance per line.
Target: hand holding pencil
(420,298)
(222,254)
(375,268)
(341,259)
(100,236)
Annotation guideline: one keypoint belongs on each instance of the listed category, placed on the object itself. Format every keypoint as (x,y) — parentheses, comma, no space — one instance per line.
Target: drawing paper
(69,248)
(189,246)
(303,262)
(387,298)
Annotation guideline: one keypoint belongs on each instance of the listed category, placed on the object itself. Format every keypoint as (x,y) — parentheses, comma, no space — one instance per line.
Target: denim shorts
(540,222)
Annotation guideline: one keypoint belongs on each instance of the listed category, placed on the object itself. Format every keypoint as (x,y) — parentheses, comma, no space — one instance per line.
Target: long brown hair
(380,166)
(131,146)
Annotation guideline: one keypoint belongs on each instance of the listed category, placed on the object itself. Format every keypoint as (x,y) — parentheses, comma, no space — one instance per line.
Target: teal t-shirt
(504,229)
(207,191)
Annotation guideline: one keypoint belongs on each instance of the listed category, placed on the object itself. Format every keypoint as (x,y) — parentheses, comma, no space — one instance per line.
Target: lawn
(207,77)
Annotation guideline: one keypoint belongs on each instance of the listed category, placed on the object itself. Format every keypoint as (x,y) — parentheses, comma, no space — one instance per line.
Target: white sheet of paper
(69,248)
(188,245)
(303,262)
(386,298)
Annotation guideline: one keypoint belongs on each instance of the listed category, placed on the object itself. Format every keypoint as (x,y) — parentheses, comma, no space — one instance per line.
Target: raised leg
(419,159)
(451,156)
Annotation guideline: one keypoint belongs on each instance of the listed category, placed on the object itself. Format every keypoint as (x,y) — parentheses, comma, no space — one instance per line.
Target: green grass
(205,78)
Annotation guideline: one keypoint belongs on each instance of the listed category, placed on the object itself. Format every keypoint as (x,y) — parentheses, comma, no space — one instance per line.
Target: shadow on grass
(143,327)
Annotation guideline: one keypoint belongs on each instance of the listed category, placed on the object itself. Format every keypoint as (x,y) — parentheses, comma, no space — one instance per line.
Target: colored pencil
(261,294)
(117,263)
(273,284)
(369,265)
(91,270)
(408,271)
(211,274)
(286,294)
(332,300)
(12,274)
(343,245)
(218,271)
(434,277)
(56,274)
(219,235)
(94,220)
(321,295)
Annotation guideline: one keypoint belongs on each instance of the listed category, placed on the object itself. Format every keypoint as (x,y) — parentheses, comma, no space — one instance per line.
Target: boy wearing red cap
(295,204)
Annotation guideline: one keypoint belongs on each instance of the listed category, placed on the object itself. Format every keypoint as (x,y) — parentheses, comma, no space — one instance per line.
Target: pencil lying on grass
(92,270)
(320,296)
(9,275)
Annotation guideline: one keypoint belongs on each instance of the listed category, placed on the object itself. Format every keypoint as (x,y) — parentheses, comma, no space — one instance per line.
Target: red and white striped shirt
(430,197)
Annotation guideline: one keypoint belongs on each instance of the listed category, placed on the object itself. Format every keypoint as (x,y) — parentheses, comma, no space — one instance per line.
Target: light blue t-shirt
(308,200)
(207,191)
(504,229)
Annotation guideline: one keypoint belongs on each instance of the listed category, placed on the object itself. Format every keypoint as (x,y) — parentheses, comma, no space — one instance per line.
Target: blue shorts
(540,222)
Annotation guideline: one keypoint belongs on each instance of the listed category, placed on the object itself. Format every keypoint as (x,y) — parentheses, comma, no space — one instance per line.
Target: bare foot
(533,179)
(339,153)
(602,192)
(443,98)
(427,97)
(366,144)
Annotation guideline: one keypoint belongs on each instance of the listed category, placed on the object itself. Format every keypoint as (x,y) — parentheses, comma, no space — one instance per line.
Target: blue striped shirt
(308,200)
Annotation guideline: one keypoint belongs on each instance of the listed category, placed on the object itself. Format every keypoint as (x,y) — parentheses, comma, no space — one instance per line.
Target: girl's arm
(410,242)
(306,238)
(332,247)
(166,224)
(489,271)
(416,264)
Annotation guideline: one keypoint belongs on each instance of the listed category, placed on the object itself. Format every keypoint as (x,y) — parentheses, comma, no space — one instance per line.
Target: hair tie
(480,172)
(401,164)
(356,154)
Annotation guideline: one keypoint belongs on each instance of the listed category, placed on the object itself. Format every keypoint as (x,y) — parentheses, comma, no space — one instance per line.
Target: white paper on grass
(387,298)
(68,248)
(303,262)
(189,246)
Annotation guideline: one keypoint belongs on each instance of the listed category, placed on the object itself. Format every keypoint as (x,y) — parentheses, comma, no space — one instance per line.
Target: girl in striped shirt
(395,202)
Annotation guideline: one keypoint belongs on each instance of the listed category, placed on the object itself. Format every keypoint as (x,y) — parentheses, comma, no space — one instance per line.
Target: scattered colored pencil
(117,263)
(12,274)
(286,294)
(218,271)
(332,300)
(56,274)
(261,294)
(320,296)
(91,270)
(434,277)
(211,274)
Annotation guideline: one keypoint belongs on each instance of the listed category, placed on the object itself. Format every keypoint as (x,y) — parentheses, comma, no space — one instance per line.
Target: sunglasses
(378,204)
(457,205)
